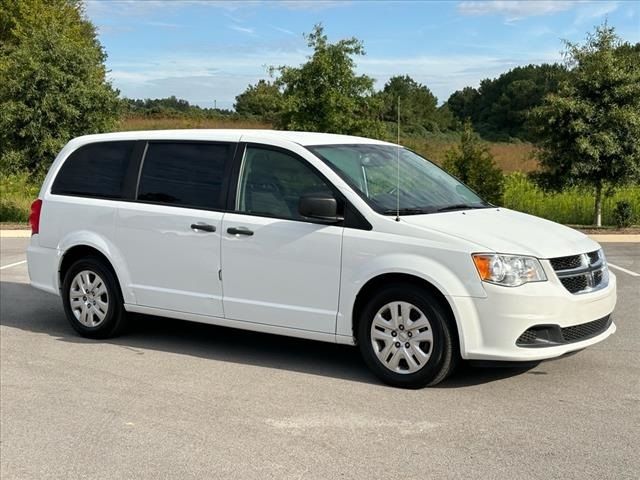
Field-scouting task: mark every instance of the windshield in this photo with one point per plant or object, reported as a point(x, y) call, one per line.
point(372, 170)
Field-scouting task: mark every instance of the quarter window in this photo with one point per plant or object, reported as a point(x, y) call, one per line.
point(95, 170)
point(272, 182)
point(185, 174)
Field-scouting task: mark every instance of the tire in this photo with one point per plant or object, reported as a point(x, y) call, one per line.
point(428, 352)
point(100, 312)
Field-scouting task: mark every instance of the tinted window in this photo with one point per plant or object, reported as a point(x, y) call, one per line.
point(95, 170)
point(272, 182)
point(185, 174)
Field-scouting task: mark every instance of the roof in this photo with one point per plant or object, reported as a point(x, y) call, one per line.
point(302, 138)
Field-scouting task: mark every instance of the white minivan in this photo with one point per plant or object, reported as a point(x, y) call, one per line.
point(326, 237)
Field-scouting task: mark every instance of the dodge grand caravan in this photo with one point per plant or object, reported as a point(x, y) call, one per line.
point(326, 237)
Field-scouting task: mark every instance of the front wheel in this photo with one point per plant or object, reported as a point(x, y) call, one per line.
point(406, 338)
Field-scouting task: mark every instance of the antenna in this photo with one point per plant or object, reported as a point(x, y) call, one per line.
point(398, 167)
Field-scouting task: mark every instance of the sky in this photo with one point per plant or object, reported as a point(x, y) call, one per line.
point(207, 52)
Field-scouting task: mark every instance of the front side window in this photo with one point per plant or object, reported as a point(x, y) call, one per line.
point(272, 182)
point(95, 170)
point(372, 171)
point(185, 174)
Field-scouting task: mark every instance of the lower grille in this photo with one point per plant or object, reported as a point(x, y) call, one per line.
point(552, 335)
point(527, 338)
point(586, 330)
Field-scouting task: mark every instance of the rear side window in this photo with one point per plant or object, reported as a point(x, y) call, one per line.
point(95, 170)
point(185, 174)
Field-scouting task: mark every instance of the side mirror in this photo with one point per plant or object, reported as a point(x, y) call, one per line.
point(320, 207)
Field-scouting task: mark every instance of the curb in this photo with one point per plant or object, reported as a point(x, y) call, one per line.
point(614, 238)
point(15, 233)
point(601, 238)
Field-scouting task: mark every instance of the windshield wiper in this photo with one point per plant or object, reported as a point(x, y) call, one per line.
point(406, 211)
point(460, 206)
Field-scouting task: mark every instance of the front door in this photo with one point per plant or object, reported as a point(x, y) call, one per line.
point(279, 268)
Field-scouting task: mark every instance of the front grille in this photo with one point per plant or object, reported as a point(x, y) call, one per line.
point(566, 263)
point(594, 256)
point(597, 277)
point(575, 284)
point(582, 273)
point(552, 335)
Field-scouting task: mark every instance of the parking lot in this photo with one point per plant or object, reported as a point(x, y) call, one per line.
point(174, 399)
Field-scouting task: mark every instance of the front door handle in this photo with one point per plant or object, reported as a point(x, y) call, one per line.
point(239, 231)
point(203, 227)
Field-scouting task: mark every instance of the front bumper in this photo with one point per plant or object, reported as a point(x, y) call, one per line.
point(491, 327)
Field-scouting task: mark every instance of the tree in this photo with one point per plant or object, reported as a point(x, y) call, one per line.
point(263, 99)
point(418, 105)
point(587, 133)
point(325, 94)
point(52, 81)
point(474, 165)
point(499, 109)
point(445, 119)
point(462, 103)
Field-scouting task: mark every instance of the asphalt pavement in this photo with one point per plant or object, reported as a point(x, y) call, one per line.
point(178, 400)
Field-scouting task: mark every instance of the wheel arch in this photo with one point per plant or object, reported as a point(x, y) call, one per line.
point(378, 282)
point(83, 244)
point(83, 251)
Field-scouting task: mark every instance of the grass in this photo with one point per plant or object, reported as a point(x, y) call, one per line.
point(573, 206)
point(510, 157)
point(17, 192)
point(155, 123)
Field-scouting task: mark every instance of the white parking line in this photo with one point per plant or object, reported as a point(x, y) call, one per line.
point(633, 274)
point(13, 264)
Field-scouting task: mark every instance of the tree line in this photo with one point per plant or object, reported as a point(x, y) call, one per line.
point(171, 107)
point(582, 115)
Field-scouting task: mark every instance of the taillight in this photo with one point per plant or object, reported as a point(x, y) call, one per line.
point(34, 216)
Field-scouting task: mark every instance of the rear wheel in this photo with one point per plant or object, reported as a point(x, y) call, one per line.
point(406, 337)
point(92, 299)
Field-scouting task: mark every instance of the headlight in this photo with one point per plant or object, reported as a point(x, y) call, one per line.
point(508, 270)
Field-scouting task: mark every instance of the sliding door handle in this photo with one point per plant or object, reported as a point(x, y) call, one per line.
point(239, 231)
point(203, 227)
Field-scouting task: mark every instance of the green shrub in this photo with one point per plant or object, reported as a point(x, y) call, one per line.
point(17, 192)
point(572, 206)
point(623, 214)
point(53, 84)
point(472, 162)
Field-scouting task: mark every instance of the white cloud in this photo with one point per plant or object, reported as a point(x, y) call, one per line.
point(114, 29)
point(100, 8)
point(313, 5)
point(163, 24)
point(514, 10)
point(591, 11)
point(283, 30)
point(201, 79)
point(238, 28)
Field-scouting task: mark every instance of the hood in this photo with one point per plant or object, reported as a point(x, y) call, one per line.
point(506, 231)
